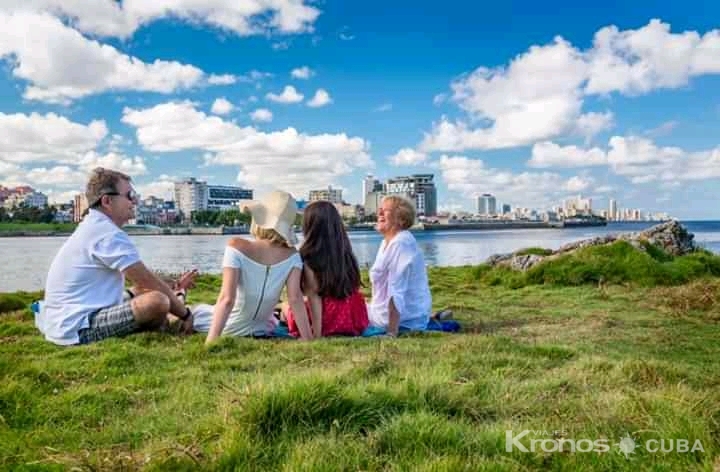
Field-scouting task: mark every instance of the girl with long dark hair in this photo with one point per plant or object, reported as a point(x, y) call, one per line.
point(331, 275)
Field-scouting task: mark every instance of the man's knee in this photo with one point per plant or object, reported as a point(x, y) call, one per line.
point(151, 307)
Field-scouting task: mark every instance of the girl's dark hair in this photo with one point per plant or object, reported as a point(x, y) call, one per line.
point(327, 251)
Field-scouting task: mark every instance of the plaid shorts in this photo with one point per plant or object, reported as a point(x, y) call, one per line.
point(117, 320)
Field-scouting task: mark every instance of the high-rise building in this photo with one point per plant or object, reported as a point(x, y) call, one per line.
point(332, 195)
point(80, 204)
point(612, 210)
point(418, 188)
point(487, 204)
point(506, 209)
point(372, 191)
point(194, 195)
point(191, 195)
point(224, 197)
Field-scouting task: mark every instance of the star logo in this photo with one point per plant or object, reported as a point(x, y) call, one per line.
point(626, 446)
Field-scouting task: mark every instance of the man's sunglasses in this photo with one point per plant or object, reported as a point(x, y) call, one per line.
point(130, 195)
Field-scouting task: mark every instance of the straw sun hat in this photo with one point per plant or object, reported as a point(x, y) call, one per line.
point(277, 211)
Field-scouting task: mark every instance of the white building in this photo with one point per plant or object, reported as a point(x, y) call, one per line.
point(487, 205)
point(31, 199)
point(332, 195)
point(191, 195)
point(612, 210)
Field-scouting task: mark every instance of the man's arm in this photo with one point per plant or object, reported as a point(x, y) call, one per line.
point(142, 277)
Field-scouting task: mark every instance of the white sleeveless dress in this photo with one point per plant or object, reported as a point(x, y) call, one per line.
point(258, 291)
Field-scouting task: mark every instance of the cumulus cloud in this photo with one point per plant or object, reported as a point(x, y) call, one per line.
point(122, 19)
point(303, 72)
point(82, 66)
point(549, 154)
point(221, 106)
point(540, 94)
point(637, 158)
point(306, 160)
point(471, 177)
point(262, 115)
point(320, 99)
point(407, 157)
point(288, 95)
point(50, 137)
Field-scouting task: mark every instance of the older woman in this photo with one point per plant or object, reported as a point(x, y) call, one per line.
point(400, 291)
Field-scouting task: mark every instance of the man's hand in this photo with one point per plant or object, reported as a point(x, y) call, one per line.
point(186, 280)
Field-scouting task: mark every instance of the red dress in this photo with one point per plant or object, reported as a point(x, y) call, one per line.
point(341, 317)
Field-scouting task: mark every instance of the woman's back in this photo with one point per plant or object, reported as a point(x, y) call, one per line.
point(264, 269)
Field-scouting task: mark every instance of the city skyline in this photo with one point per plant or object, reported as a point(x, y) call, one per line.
point(614, 103)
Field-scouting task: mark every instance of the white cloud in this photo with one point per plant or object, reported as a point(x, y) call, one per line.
point(637, 158)
point(161, 187)
point(590, 124)
point(577, 184)
point(384, 107)
point(224, 79)
point(288, 95)
point(540, 94)
point(303, 72)
point(663, 129)
point(471, 177)
point(81, 66)
point(49, 137)
point(221, 106)
point(111, 18)
point(262, 115)
point(604, 189)
point(407, 157)
point(518, 108)
point(306, 160)
point(549, 154)
point(320, 99)
point(649, 58)
point(133, 166)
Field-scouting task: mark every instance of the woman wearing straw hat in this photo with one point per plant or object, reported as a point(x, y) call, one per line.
point(255, 272)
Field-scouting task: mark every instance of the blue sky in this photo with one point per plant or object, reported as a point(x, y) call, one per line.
point(534, 102)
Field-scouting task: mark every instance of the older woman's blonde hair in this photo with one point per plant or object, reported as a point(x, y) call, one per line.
point(404, 210)
point(269, 234)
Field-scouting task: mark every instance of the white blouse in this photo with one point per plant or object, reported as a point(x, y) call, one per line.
point(399, 273)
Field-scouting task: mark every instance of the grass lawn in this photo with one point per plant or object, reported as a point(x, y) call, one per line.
point(37, 227)
point(590, 362)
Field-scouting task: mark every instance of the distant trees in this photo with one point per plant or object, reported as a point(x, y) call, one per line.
point(220, 217)
point(28, 214)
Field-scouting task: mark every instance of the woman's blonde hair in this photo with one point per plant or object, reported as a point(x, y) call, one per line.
point(404, 209)
point(268, 234)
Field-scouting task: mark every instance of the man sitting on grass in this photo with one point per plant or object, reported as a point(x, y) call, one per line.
point(85, 296)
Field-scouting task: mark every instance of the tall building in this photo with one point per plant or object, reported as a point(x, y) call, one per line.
point(332, 195)
point(487, 204)
point(612, 210)
point(80, 204)
point(419, 189)
point(506, 209)
point(194, 195)
point(577, 206)
point(372, 191)
point(224, 197)
point(191, 195)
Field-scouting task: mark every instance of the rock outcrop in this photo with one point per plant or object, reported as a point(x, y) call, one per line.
point(670, 236)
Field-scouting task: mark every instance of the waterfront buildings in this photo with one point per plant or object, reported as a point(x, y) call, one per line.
point(487, 205)
point(195, 195)
point(23, 195)
point(332, 195)
point(418, 188)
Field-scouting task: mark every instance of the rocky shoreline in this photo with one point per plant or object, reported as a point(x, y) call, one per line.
point(670, 236)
